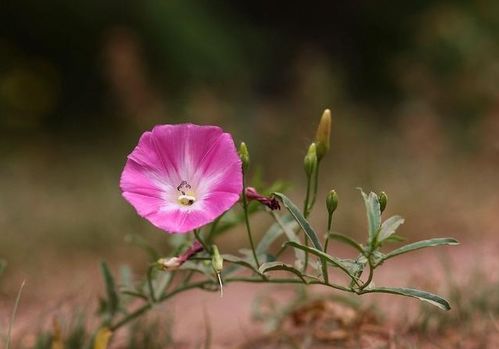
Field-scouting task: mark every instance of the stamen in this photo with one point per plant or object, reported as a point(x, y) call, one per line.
point(185, 199)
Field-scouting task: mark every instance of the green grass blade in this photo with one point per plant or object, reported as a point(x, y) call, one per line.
point(112, 295)
point(13, 315)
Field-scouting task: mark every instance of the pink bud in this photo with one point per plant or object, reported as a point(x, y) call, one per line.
point(270, 202)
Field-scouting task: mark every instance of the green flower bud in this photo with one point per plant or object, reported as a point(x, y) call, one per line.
point(217, 261)
point(383, 199)
point(244, 155)
point(332, 201)
point(310, 161)
point(323, 134)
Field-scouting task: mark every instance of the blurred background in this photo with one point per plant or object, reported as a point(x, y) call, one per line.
point(413, 86)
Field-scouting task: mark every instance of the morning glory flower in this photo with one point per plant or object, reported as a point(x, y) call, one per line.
point(182, 177)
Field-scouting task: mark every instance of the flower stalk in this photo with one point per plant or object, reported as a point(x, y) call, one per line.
point(244, 154)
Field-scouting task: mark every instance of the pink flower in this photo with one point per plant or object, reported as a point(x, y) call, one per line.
point(181, 177)
point(270, 202)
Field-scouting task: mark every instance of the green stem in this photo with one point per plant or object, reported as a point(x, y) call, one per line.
point(324, 262)
point(246, 219)
point(138, 312)
point(149, 284)
point(329, 226)
point(306, 211)
point(316, 186)
point(200, 239)
point(213, 228)
point(369, 278)
point(307, 197)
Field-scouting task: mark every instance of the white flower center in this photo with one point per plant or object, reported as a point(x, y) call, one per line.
point(186, 198)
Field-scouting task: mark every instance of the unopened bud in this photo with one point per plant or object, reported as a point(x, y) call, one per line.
point(332, 201)
point(323, 134)
point(217, 260)
point(383, 199)
point(310, 161)
point(169, 263)
point(244, 155)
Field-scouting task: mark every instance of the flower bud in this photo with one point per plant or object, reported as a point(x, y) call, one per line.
point(383, 199)
point(332, 201)
point(168, 264)
point(244, 155)
point(310, 161)
point(270, 202)
point(217, 261)
point(323, 134)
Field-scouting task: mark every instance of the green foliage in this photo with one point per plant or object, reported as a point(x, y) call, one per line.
point(109, 305)
point(258, 264)
point(410, 292)
point(300, 219)
point(420, 244)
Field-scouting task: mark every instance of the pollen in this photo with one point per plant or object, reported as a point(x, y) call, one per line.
point(186, 200)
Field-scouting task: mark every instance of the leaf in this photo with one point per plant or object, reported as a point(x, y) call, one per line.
point(395, 238)
point(290, 233)
point(411, 292)
point(161, 283)
point(269, 266)
point(333, 260)
point(421, 244)
point(102, 338)
point(347, 240)
point(300, 219)
point(274, 232)
point(240, 261)
point(373, 214)
point(134, 293)
point(389, 227)
point(112, 295)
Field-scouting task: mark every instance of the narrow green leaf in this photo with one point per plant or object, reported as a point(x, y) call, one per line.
point(275, 230)
point(333, 260)
point(410, 292)
point(134, 293)
point(112, 295)
point(421, 244)
point(300, 219)
point(389, 227)
point(269, 266)
point(373, 213)
point(240, 261)
point(289, 231)
point(347, 240)
point(161, 283)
